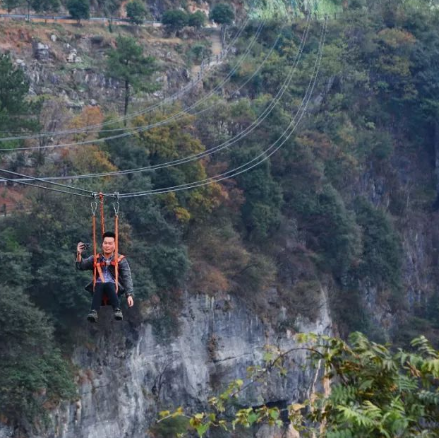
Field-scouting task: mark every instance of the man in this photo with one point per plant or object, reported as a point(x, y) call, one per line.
point(105, 284)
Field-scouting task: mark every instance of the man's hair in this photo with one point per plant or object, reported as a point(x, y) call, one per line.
point(108, 234)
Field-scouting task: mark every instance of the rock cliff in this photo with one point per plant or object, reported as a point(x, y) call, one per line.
point(128, 374)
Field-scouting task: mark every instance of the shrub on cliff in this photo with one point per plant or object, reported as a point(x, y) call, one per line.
point(175, 20)
point(33, 373)
point(136, 12)
point(79, 9)
point(222, 14)
point(366, 390)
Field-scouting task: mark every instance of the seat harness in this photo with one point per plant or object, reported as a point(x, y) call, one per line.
point(97, 262)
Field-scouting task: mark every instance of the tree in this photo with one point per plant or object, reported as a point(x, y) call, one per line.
point(15, 109)
point(128, 64)
point(33, 371)
point(222, 13)
point(136, 11)
point(11, 4)
point(174, 20)
point(261, 210)
point(197, 19)
point(110, 7)
point(45, 6)
point(79, 9)
point(368, 390)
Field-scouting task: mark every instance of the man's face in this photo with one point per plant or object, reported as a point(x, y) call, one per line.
point(108, 245)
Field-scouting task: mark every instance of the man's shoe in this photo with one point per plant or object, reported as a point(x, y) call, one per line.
point(118, 315)
point(92, 316)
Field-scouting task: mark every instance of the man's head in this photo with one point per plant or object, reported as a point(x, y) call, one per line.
point(108, 243)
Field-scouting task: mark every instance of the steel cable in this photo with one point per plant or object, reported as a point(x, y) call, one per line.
point(236, 171)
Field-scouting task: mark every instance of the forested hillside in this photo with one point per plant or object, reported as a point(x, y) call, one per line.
point(299, 170)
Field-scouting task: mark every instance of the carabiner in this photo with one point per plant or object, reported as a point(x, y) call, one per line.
point(94, 204)
point(116, 204)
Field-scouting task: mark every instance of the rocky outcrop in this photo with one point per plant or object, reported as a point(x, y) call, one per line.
point(129, 373)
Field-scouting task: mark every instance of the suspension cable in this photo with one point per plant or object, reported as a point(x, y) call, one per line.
point(243, 168)
point(223, 145)
point(230, 173)
point(94, 207)
point(12, 180)
point(155, 106)
point(44, 180)
point(101, 202)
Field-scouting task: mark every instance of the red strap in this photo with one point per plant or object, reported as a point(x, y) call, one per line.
point(113, 262)
point(98, 265)
point(116, 251)
point(101, 200)
point(94, 250)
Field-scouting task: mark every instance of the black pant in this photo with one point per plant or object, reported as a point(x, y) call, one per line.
point(109, 289)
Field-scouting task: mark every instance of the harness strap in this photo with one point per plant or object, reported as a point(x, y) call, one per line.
point(101, 201)
point(98, 266)
point(113, 262)
point(94, 251)
point(116, 250)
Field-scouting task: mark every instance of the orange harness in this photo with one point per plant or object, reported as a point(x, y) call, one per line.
point(98, 265)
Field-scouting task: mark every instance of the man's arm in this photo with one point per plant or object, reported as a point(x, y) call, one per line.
point(126, 280)
point(83, 264)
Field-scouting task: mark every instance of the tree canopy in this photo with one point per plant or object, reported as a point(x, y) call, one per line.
point(222, 13)
point(136, 11)
point(79, 9)
point(33, 370)
point(17, 112)
point(197, 19)
point(367, 390)
point(175, 19)
point(127, 63)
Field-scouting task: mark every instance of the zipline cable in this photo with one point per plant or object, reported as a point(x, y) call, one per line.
point(187, 87)
point(176, 116)
point(212, 179)
point(241, 169)
point(43, 187)
point(149, 109)
point(224, 145)
point(35, 178)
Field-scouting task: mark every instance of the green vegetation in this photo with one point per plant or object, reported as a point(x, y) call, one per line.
point(136, 11)
point(381, 258)
point(175, 20)
point(128, 64)
point(79, 9)
point(16, 112)
point(34, 375)
point(368, 391)
point(331, 208)
point(222, 13)
point(45, 6)
point(197, 19)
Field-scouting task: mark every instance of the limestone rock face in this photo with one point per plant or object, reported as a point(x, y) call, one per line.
point(128, 374)
point(6, 431)
point(41, 51)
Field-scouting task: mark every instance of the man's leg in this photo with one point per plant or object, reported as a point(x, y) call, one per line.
point(110, 291)
point(97, 296)
point(96, 302)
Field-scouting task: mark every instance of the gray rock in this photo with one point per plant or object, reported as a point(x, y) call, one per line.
point(128, 374)
point(5, 431)
point(41, 51)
